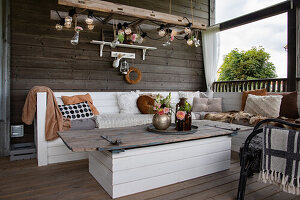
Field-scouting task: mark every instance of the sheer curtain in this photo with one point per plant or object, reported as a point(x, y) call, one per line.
point(210, 42)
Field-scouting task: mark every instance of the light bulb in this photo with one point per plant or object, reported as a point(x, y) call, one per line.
point(189, 42)
point(89, 20)
point(174, 33)
point(75, 38)
point(139, 39)
point(162, 32)
point(120, 32)
point(134, 37)
point(187, 30)
point(90, 26)
point(59, 27)
point(68, 19)
point(68, 24)
point(127, 30)
point(196, 42)
point(172, 37)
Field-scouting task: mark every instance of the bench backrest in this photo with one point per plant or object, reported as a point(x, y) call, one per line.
point(106, 102)
point(233, 100)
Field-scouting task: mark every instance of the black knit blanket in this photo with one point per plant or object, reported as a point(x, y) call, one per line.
point(280, 159)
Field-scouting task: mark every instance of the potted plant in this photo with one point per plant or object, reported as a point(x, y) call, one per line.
point(162, 108)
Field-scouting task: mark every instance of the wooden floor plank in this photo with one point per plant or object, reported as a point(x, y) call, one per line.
point(199, 188)
point(281, 195)
point(23, 180)
point(186, 184)
point(220, 190)
point(263, 193)
point(252, 186)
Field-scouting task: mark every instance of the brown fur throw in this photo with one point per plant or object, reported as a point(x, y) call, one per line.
point(246, 118)
point(230, 116)
point(221, 117)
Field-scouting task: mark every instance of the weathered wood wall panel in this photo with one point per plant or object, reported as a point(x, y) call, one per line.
point(4, 78)
point(40, 55)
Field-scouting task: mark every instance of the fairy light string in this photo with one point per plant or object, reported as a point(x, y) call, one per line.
point(140, 30)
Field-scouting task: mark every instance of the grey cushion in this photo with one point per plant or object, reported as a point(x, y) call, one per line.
point(83, 124)
point(207, 104)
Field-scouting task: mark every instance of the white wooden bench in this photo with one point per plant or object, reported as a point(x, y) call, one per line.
point(232, 101)
point(49, 152)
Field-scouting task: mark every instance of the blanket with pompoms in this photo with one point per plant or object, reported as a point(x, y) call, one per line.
point(280, 159)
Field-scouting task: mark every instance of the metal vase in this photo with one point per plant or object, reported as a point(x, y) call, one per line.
point(161, 122)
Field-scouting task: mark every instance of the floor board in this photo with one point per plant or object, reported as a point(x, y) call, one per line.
point(22, 180)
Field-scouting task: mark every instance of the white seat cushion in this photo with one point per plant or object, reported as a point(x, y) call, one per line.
point(122, 120)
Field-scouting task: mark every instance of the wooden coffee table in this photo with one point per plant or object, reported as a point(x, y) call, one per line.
point(146, 160)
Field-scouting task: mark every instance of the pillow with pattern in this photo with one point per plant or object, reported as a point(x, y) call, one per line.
point(76, 111)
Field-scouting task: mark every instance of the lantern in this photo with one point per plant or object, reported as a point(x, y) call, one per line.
point(124, 67)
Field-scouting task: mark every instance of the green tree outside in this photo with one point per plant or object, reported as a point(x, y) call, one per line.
point(247, 65)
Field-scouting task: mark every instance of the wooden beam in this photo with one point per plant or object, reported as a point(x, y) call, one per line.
point(5, 78)
point(255, 16)
point(109, 17)
point(104, 6)
point(292, 51)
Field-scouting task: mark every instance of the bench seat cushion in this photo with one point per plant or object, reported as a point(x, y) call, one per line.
point(122, 120)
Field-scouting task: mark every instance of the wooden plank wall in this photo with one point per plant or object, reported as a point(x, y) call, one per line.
point(4, 78)
point(43, 56)
point(298, 43)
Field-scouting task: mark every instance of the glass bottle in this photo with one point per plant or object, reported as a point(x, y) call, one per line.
point(188, 122)
point(179, 123)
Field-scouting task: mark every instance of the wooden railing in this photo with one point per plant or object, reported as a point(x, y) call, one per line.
point(272, 85)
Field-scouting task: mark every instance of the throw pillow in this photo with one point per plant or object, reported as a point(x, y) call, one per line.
point(128, 102)
point(145, 104)
point(189, 96)
point(78, 99)
point(289, 107)
point(83, 124)
point(260, 92)
point(266, 106)
point(207, 104)
point(76, 111)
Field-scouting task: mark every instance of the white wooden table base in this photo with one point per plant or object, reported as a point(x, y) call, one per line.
point(142, 169)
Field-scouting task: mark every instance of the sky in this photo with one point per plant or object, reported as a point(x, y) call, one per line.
point(270, 33)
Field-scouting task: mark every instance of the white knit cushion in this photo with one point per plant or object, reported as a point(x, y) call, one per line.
point(266, 106)
point(122, 120)
point(128, 102)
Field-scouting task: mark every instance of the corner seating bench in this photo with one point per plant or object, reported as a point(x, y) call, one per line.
point(49, 152)
point(106, 102)
point(123, 173)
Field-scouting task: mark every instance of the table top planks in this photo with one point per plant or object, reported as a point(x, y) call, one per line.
point(134, 137)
